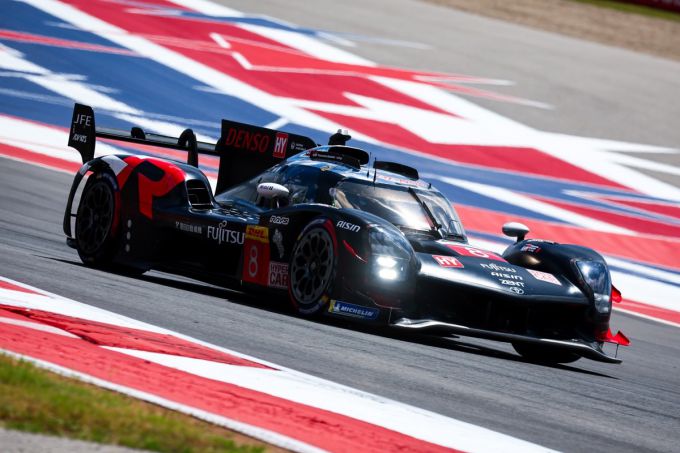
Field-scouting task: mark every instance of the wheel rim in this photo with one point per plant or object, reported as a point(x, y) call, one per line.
point(95, 218)
point(311, 266)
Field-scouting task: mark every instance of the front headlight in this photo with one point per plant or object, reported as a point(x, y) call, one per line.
point(596, 275)
point(390, 254)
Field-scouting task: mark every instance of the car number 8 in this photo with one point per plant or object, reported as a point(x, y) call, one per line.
point(252, 261)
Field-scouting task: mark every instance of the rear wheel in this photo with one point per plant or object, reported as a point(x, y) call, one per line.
point(543, 354)
point(312, 268)
point(95, 239)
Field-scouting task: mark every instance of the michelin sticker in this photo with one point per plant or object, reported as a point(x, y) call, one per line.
point(354, 311)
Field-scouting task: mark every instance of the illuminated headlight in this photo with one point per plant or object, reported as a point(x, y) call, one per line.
point(391, 254)
point(388, 274)
point(596, 275)
point(388, 267)
point(386, 261)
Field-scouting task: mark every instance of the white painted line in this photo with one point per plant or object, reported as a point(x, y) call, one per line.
point(36, 326)
point(220, 40)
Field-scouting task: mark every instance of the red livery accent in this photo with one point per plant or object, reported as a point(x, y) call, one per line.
point(352, 251)
point(148, 189)
point(256, 255)
point(467, 250)
point(447, 261)
point(242, 139)
point(619, 338)
point(616, 295)
point(280, 145)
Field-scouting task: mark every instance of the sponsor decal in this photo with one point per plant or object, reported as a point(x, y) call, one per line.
point(279, 220)
point(507, 276)
point(257, 233)
point(517, 290)
point(467, 250)
point(447, 261)
point(189, 228)
point(297, 146)
point(277, 239)
point(79, 138)
point(83, 120)
point(221, 233)
point(256, 255)
point(251, 141)
point(498, 268)
point(278, 275)
point(354, 311)
point(348, 226)
point(544, 277)
point(280, 145)
point(531, 248)
point(512, 283)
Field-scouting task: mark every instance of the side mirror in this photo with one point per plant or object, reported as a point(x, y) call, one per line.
point(274, 192)
point(516, 230)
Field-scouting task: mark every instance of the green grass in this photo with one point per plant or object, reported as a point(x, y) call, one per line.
point(35, 400)
point(634, 9)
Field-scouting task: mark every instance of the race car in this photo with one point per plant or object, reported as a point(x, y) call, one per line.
point(337, 233)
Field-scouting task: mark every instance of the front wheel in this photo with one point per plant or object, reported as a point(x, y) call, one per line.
point(312, 267)
point(543, 354)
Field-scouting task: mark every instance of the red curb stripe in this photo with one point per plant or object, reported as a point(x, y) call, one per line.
point(313, 426)
point(12, 287)
point(38, 158)
point(648, 310)
point(103, 334)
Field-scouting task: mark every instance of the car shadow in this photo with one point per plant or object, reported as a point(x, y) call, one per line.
point(280, 307)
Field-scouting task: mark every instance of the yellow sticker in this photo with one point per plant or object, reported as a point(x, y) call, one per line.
point(257, 233)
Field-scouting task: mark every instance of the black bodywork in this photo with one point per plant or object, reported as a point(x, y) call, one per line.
point(331, 244)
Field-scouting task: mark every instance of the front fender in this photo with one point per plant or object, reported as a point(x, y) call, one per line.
point(94, 165)
point(560, 259)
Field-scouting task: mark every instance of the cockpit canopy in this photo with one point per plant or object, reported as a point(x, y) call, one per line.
point(412, 206)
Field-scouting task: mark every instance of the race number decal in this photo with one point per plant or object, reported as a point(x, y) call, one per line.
point(467, 250)
point(256, 255)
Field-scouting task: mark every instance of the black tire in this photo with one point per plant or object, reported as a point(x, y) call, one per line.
point(311, 271)
point(95, 238)
point(544, 354)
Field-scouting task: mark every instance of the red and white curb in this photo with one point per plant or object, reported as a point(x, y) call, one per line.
point(280, 406)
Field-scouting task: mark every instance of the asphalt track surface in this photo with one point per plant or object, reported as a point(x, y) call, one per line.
point(584, 407)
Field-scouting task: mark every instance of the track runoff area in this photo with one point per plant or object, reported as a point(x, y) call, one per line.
point(168, 65)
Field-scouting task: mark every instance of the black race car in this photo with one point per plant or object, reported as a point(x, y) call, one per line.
point(337, 233)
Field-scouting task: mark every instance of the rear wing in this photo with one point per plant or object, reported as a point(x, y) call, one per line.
point(244, 150)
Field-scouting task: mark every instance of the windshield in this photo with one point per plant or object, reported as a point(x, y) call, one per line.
point(406, 208)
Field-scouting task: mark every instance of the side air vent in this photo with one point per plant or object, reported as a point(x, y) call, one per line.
point(199, 195)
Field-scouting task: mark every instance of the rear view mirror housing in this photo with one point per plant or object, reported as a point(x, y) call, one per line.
point(515, 230)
